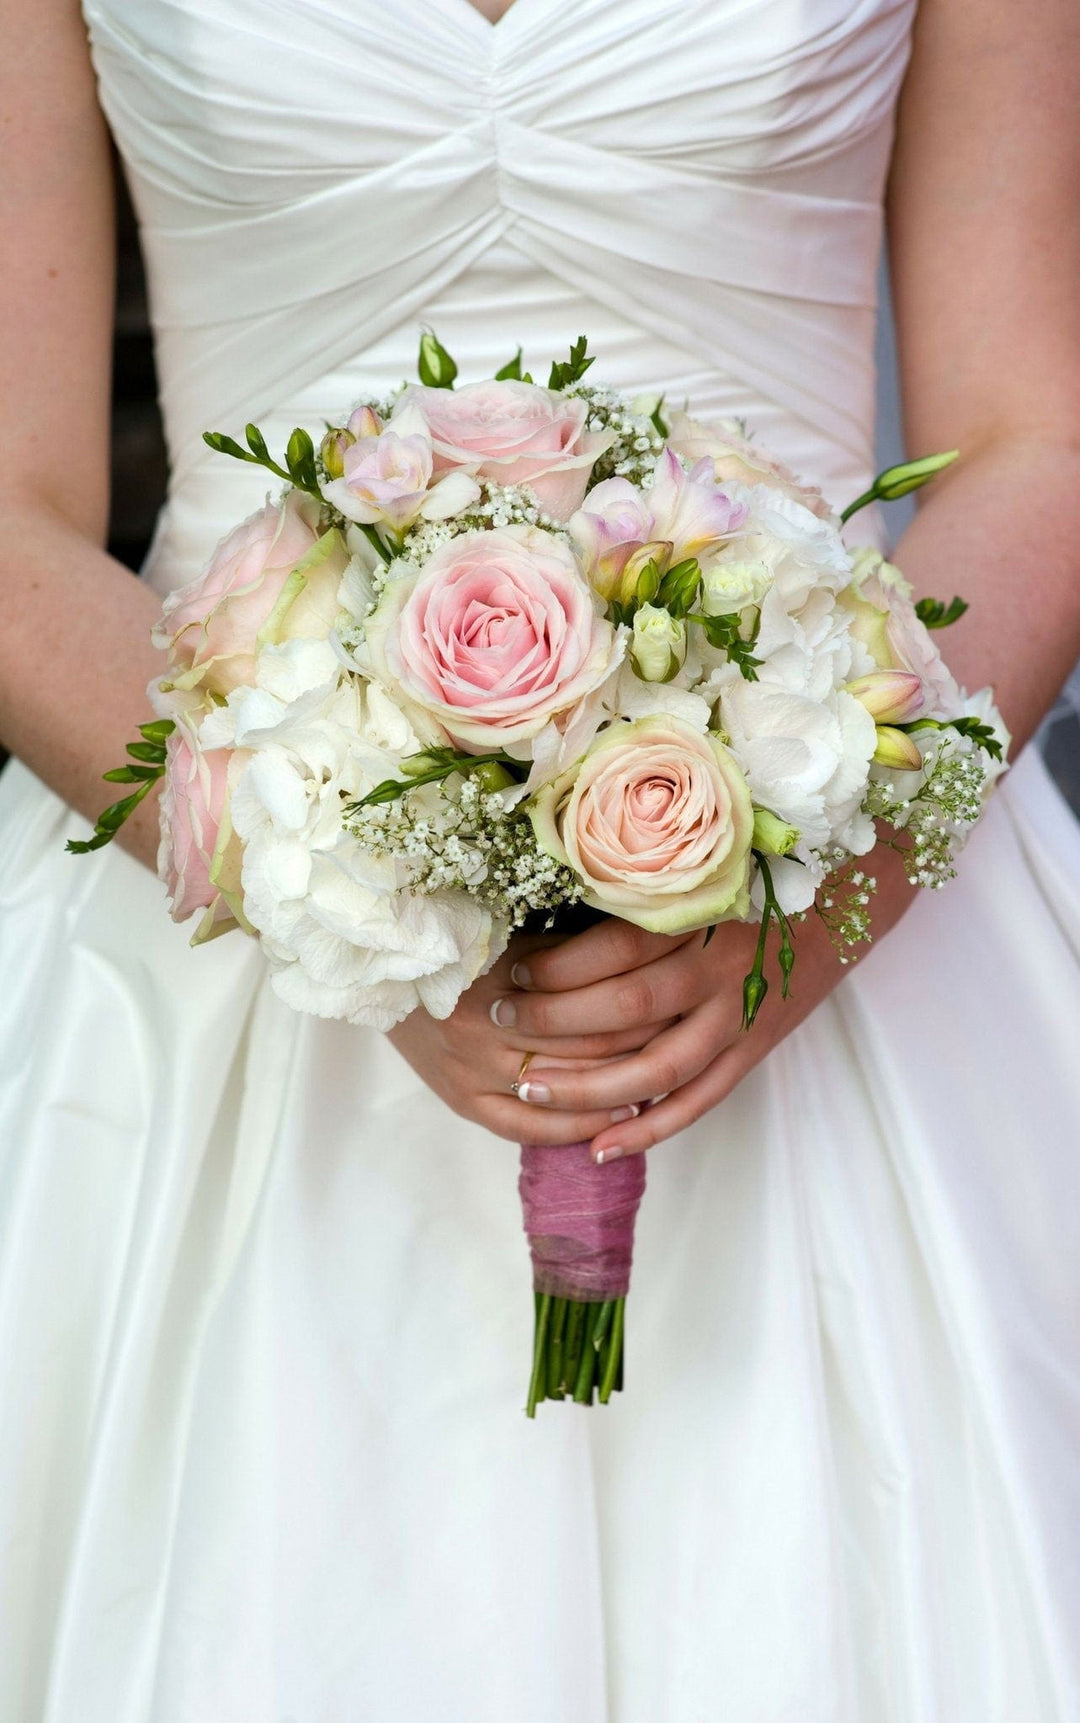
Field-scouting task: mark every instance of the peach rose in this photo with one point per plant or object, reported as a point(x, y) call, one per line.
point(198, 857)
point(498, 635)
point(657, 822)
point(271, 578)
point(515, 434)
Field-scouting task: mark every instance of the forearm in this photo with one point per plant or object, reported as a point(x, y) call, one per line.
point(1002, 529)
point(75, 659)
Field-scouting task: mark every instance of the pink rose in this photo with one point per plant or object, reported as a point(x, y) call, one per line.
point(657, 822)
point(737, 460)
point(496, 637)
point(211, 627)
point(198, 856)
point(515, 434)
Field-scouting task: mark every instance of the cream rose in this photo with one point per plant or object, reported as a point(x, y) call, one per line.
point(271, 579)
point(514, 433)
point(657, 822)
point(498, 635)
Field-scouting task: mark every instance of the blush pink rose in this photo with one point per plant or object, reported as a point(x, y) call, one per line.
point(498, 635)
point(515, 434)
point(657, 822)
point(194, 798)
point(210, 627)
point(736, 459)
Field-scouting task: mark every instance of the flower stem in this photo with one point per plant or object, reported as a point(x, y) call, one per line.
point(556, 1385)
point(611, 1358)
point(538, 1380)
point(583, 1387)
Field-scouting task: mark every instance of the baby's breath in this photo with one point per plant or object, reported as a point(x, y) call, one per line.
point(843, 904)
point(634, 453)
point(939, 816)
point(472, 843)
point(498, 506)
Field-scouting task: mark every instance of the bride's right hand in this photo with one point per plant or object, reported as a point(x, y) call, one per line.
point(471, 1062)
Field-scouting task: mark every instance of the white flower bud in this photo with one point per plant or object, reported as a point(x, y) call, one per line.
point(731, 586)
point(896, 750)
point(658, 647)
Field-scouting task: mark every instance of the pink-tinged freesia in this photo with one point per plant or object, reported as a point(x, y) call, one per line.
point(890, 696)
point(895, 749)
point(657, 822)
point(388, 477)
point(620, 528)
point(271, 578)
point(690, 510)
point(497, 636)
point(199, 854)
point(884, 619)
point(610, 532)
point(512, 433)
point(736, 459)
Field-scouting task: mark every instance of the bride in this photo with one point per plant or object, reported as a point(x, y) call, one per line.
point(263, 1298)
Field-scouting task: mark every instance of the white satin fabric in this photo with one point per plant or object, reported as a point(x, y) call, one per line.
point(264, 1308)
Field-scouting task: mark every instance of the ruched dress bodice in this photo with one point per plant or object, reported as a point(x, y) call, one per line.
point(696, 186)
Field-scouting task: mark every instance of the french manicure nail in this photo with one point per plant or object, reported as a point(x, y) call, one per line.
point(609, 1155)
point(504, 1013)
point(521, 975)
point(621, 1113)
point(537, 1094)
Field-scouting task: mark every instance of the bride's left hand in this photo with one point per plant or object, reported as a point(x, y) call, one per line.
point(597, 982)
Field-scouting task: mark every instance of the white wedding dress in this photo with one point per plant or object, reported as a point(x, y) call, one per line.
point(265, 1313)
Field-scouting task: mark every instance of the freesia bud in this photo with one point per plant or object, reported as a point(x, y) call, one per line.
point(641, 569)
point(332, 449)
point(890, 696)
point(772, 835)
point(659, 644)
point(896, 750)
point(364, 422)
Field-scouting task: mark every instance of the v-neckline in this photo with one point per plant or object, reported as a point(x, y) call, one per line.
point(483, 20)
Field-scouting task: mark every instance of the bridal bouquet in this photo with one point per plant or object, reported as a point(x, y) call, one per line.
point(502, 656)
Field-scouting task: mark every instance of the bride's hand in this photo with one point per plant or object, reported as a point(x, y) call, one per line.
point(616, 974)
point(471, 1061)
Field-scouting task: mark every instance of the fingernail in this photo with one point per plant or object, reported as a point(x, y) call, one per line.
point(537, 1094)
point(622, 1113)
point(504, 1013)
point(609, 1155)
point(521, 975)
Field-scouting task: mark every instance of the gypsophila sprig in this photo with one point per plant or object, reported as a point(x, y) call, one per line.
point(636, 449)
point(843, 907)
point(471, 844)
point(938, 817)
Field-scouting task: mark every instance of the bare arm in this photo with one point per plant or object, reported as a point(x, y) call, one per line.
point(985, 222)
point(75, 655)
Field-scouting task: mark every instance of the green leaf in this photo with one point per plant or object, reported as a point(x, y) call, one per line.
point(133, 774)
point(435, 367)
point(660, 424)
point(158, 731)
point(154, 751)
point(680, 587)
point(224, 445)
point(564, 372)
point(511, 373)
point(935, 613)
point(897, 481)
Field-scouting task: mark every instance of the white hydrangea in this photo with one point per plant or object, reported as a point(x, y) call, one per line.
point(340, 938)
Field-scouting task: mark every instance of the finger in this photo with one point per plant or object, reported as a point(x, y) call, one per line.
point(588, 1048)
point(508, 1118)
point(670, 1061)
point(611, 948)
point(667, 987)
point(673, 1114)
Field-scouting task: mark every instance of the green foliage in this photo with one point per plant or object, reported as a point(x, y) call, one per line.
point(435, 368)
point(659, 423)
point(723, 632)
point(935, 613)
point(512, 373)
point(755, 986)
point(430, 767)
point(565, 372)
point(680, 586)
point(300, 456)
point(983, 735)
point(150, 755)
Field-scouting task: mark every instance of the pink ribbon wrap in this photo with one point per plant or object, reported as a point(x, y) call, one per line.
point(579, 1218)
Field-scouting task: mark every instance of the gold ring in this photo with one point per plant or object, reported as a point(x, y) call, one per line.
point(520, 1078)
